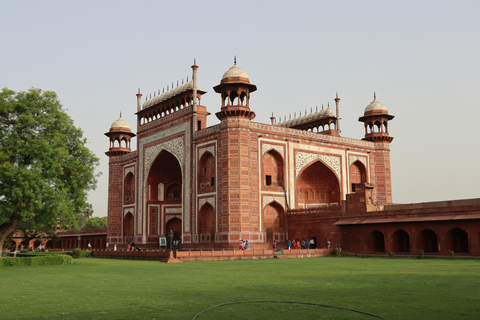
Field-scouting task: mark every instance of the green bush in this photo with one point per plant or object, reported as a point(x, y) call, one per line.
point(77, 253)
point(338, 251)
point(451, 253)
point(24, 251)
point(391, 254)
point(46, 260)
point(421, 254)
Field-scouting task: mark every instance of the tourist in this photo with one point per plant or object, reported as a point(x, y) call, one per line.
point(246, 245)
point(114, 247)
point(298, 245)
point(303, 244)
point(129, 246)
point(133, 245)
point(274, 246)
point(106, 246)
point(289, 244)
point(89, 246)
point(241, 245)
point(312, 243)
point(294, 244)
point(307, 244)
point(328, 244)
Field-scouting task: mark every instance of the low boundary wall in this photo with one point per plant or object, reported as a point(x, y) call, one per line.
point(206, 255)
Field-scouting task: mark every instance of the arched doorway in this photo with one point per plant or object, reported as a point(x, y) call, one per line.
point(317, 186)
point(175, 225)
point(273, 221)
point(206, 223)
point(377, 241)
point(401, 241)
point(128, 227)
point(428, 241)
point(458, 240)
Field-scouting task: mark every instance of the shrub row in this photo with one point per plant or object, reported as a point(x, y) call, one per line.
point(44, 260)
point(76, 253)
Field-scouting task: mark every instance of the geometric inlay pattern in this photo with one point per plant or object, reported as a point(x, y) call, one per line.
point(210, 149)
point(361, 159)
point(303, 158)
point(210, 200)
point(269, 199)
point(267, 147)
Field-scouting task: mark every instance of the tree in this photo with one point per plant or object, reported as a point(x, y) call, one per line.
point(45, 168)
point(96, 222)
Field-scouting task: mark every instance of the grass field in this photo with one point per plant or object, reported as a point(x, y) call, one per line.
point(126, 289)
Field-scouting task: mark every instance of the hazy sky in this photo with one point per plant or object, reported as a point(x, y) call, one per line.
point(422, 58)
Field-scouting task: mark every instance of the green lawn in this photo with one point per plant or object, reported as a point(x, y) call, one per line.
point(126, 289)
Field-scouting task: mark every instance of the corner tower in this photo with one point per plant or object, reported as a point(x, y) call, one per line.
point(238, 175)
point(120, 136)
point(376, 119)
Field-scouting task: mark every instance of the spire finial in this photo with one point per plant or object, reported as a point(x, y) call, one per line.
point(194, 60)
point(374, 95)
point(120, 114)
point(235, 60)
point(336, 95)
point(138, 90)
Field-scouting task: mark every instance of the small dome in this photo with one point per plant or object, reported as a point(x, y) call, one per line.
point(235, 72)
point(329, 112)
point(375, 105)
point(120, 124)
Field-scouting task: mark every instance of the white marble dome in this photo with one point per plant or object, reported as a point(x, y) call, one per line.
point(375, 105)
point(235, 72)
point(120, 123)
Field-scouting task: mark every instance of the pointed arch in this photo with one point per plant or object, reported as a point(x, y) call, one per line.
point(458, 240)
point(428, 241)
point(128, 227)
point(165, 173)
point(273, 221)
point(401, 241)
point(129, 188)
point(273, 168)
point(357, 174)
point(317, 186)
point(206, 172)
point(377, 241)
point(207, 223)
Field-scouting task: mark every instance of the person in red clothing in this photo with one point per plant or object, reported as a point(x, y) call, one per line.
point(294, 244)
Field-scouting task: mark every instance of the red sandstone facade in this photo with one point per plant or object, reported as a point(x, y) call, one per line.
point(240, 179)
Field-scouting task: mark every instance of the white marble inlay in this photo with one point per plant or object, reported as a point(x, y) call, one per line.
point(266, 147)
point(210, 149)
point(361, 159)
point(269, 199)
point(303, 159)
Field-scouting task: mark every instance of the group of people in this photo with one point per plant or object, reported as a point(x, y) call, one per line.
point(131, 247)
point(304, 244)
point(244, 245)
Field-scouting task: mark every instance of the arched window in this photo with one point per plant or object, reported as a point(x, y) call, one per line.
point(129, 188)
point(206, 173)
point(272, 163)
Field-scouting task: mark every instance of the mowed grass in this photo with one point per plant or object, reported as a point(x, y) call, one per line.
point(127, 289)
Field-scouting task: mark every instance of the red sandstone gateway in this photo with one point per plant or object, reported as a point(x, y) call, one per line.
point(240, 179)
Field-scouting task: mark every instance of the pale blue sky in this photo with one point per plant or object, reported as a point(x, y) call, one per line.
point(420, 57)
